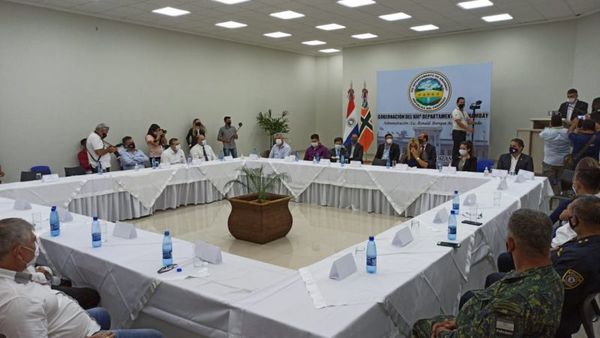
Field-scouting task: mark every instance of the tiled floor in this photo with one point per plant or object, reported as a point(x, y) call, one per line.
point(317, 231)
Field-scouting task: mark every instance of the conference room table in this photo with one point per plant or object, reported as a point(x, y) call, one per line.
point(246, 298)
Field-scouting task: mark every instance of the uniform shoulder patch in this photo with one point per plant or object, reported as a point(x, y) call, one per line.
point(572, 279)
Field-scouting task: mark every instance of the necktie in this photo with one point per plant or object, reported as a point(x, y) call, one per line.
point(204, 151)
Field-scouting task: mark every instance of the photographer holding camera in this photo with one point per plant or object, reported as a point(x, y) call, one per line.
point(197, 129)
point(228, 135)
point(99, 150)
point(156, 139)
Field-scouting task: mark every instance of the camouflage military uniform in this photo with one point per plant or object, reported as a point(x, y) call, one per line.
point(576, 262)
point(525, 304)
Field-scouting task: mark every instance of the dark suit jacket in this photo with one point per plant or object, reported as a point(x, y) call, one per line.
point(430, 156)
point(394, 152)
point(581, 108)
point(470, 164)
point(332, 154)
point(525, 162)
point(358, 152)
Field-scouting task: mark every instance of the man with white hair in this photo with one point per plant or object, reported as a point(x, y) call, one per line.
point(280, 149)
point(99, 151)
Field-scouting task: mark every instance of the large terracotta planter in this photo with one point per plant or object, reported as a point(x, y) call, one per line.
point(259, 222)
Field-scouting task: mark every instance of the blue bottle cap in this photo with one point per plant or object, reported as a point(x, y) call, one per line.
point(53, 208)
point(167, 233)
point(179, 269)
point(371, 238)
point(95, 218)
point(456, 191)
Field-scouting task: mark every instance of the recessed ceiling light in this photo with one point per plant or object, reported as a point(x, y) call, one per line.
point(170, 11)
point(287, 15)
point(355, 3)
point(231, 2)
point(498, 17)
point(475, 4)
point(231, 24)
point(314, 43)
point(424, 28)
point(364, 36)
point(277, 35)
point(331, 27)
point(329, 50)
point(395, 16)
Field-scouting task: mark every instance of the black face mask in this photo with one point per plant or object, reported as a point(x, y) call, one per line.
point(131, 146)
point(461, 106)
point(228, 123)
point(103, 135)
point(354, 141)
point(513, 150)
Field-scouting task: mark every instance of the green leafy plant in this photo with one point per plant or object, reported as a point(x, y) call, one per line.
point(272, 124)
point(256, 181)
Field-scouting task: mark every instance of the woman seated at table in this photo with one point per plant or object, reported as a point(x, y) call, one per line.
point(466, 161)
point(412, 157)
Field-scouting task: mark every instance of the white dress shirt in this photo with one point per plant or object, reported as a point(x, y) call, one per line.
point(94, 142)
point(171, 157)
point(457, 114)
point(197, 153)
point(34, 310)
point(513, 163)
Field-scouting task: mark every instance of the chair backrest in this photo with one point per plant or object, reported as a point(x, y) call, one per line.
point(587, 312)
point(42, 169)
point(483, 163)
point(74, 171)
point(28, 176)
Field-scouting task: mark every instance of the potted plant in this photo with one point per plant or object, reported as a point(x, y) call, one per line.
point(273, 125)
point(260, 216)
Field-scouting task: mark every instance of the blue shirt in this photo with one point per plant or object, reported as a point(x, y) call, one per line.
point(280, 152)
point(386, 153)
point(556, 145)
point(579, 141)
point(130, 159)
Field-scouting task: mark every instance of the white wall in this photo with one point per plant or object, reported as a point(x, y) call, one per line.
point(533, 66)
point(61, 74)
point(329, 94)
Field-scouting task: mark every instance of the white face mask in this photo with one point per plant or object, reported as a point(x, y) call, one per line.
point(314, 144)
point(462, 152)
point(203, 142)
point(388, 140)
point(571, 100)
point(278, 141)
point(178, 147)
point(338, 146)
point(36, 254)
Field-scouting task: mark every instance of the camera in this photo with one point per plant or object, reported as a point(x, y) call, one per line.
point(240, 124)
point(475, 105)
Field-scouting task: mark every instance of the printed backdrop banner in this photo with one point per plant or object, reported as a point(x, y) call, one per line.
point(422, 100)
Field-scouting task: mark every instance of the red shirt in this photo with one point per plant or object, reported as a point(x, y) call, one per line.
point(83, 160)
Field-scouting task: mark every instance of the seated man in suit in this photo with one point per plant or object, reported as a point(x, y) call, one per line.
point(387, 151)
point(201, 150)
point(428, 153)
point(338, 151)
point(515, 160)
point(355, 149)
point(525, 303)
point(573, 107)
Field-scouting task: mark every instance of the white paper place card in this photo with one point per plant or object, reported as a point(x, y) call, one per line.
point(197, 161)
point(22, 205)
point(441, 216)
point(471, 199)
point(503, 185)
point(208, 252)
point(125, 230)
point(228, 158)
point(499, 173)
point(325, 161)
point(355, 164)
point(449, 170)
point(402, 166)
point(402, 237)
point(50, 178)
point(342, 267)
point(525, 175)
point(291, 158)
point(64, 215)
point(254, 157)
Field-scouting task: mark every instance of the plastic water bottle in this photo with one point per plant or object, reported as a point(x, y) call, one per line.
point(371, 255)
point(167, 249)
point(96, 234)
point(318, 158)
point(100, 169)
point(452, 225)
point(388, 164)
point(486, 172)
point(456, 201)
point(297, 157)
point(154, 164)
point(54, 222)
point(342, 160)
point(221, 156)
point(189, 160)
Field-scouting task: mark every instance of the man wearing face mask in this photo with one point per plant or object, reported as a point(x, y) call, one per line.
point(387, 151)
point(515, 160)
point(30, 309)
point(228, 134)
point(201, 150)
point(280, 149)
point(572, 107)
point(316, 149)
point(427, 151)
point(461, 123)
point(174, 154)
point(99, 151)
point(338, 151)
point(131, 157)
point(356, 149)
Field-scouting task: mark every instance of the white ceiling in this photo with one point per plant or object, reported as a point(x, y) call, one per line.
point(255, 13)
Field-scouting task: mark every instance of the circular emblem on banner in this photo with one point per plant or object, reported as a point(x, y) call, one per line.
point(351, 121)
point(429, 91)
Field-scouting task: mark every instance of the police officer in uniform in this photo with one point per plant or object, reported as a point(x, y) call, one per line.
point(525, 303)
point(577, 261)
